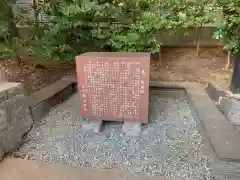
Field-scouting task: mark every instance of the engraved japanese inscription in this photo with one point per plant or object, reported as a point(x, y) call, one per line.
point(113, 88)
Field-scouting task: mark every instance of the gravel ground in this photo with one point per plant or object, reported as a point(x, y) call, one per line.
point(171, 145)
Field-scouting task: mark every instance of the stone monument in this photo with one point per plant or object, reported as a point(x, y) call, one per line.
point(114, 86)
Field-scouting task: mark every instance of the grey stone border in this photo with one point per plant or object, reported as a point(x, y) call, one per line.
point(222, 134)
point(215, 92)
point(41, 102)
point(228, 103)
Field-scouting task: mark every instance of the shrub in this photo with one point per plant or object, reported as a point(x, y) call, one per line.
point(229, 29)
point(79, 26)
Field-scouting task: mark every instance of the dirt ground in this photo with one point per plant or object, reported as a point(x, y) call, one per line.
point(179, 64)
point(35, 78)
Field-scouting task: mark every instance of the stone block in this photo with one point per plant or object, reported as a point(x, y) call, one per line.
point(43, 100)
point(3, 120)
point(60, 96)
point(231, 109)
point(215, 92)
point(236, 96)
point(210, 91)
point(225, 105)
point(223, 136)
point(3, 96)
point(92, 125)
point(16, 108)
point(12, 137)
point(132, 128)
point(15, 90)
point(39, 111)
point(50, 92)
point(1, 151)
point(11, 89)
point(234, 113)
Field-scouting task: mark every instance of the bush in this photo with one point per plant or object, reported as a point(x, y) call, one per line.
point(230, 26)
point(80, 26)
point(229, 29)
point(10, 43)
point(75, 27)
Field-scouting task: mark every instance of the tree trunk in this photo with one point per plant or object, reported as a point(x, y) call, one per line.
point(199, 32)
point(198, 40)
point(18, 59)
point(160, 58)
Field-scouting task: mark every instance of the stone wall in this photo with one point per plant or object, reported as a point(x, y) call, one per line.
point(226, 102)
point(15, 118)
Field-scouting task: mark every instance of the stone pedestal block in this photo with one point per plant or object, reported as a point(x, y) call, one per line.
point(15, 108)
point(132, 128)
point(12, 136)
point(92, 125)
point(15, 119)
point(1, 151)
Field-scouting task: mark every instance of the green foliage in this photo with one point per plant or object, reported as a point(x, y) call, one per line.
point(49, 48)
point(76, 26)
point(4, 30)
point(10, 43)
point(79, 26)
point(91, 25)
point(197, 12)
point(5, 19)
point(230, 27)
point(12, 49)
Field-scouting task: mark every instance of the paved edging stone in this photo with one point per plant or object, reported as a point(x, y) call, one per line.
point(19, 169)
point(43, 100)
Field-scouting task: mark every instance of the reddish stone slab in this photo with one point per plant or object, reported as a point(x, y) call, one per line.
point(114, 86)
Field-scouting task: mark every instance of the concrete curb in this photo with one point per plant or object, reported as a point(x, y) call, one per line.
point(215, 92)
point(226, 102)
point(19, 169)
point(223, 136)
point(221, 133)
point(43, 100)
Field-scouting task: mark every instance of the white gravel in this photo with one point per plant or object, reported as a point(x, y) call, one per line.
point(171, 145)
